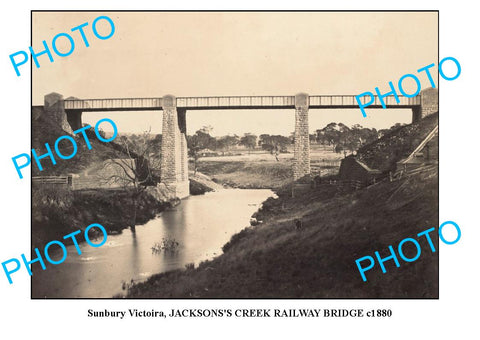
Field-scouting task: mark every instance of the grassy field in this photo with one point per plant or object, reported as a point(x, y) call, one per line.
point(245, 174)
point(277, 259)
point(260, 170)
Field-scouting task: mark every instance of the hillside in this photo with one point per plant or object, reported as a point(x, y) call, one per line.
point(57, 211)
point(279, 259)
point(275, 259)
point(384, 153)
point(46, 130)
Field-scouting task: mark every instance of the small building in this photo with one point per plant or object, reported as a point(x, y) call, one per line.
point(352, 169)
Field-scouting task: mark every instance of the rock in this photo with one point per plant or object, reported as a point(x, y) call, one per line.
point(160, 192)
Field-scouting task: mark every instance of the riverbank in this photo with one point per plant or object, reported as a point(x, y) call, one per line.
point(248, 175)
point(201, 184)
point(306, 247)
point(57, 211)
point(192, 231)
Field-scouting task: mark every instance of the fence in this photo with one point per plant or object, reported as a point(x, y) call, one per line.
point(325, 167)
point(412, 169)
point(340, 184)
point(76, 182)
point(66, 181)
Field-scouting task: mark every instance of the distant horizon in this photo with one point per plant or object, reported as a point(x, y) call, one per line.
point(267, 121)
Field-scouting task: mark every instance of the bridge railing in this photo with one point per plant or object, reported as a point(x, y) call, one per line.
point(391, 101)
point(127, 103)
point(234, 101)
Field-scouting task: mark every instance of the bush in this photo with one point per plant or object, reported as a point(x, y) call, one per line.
point(168, 244)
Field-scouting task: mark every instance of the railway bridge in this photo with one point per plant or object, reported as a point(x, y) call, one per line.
point(174, 166)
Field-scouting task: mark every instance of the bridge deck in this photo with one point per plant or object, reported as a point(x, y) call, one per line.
point(239, 102)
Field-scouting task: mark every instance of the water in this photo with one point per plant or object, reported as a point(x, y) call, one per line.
point(201, 225)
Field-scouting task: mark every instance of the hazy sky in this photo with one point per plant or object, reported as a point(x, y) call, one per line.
point(215, 54)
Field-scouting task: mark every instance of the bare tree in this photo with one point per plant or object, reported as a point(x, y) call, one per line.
point(133, 171)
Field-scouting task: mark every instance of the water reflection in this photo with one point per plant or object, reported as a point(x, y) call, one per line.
point(201, 225)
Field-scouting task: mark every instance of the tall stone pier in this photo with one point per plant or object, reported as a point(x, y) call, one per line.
point(174, 172)
point(301, 166)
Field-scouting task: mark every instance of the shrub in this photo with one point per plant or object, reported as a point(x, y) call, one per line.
point(168, 244)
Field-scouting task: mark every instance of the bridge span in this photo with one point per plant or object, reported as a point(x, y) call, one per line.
point(174, 171)
point(234, 103)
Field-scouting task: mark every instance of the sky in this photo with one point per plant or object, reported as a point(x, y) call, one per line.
point(236, 53)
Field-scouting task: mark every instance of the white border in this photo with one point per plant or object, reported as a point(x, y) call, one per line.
point(453, 316)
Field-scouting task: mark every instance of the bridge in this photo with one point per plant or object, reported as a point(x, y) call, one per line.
point(233, 102)
point(174, 171)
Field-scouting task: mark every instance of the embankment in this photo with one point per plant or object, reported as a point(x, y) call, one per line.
point(248, 175)
point(57, 212)
point(282, 258)
point(200, 184)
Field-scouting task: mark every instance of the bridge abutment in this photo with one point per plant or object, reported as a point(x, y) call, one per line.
point(301, 166)
point(54, 106)
point(428, 104)
point(174, 171)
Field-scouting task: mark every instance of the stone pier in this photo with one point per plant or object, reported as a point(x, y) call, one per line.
point(428, 104)
point(174, 172)
point(301, 166)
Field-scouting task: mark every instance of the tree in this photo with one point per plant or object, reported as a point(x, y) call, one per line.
point(331, 134)
point(199, 141)
point(343, 138)
point(226, 142)
point(338, 148)
point(135, 171)
point(274, 143)
point(384, 132)
point(249, 141)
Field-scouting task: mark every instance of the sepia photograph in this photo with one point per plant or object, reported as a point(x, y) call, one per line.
point(234, 154)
